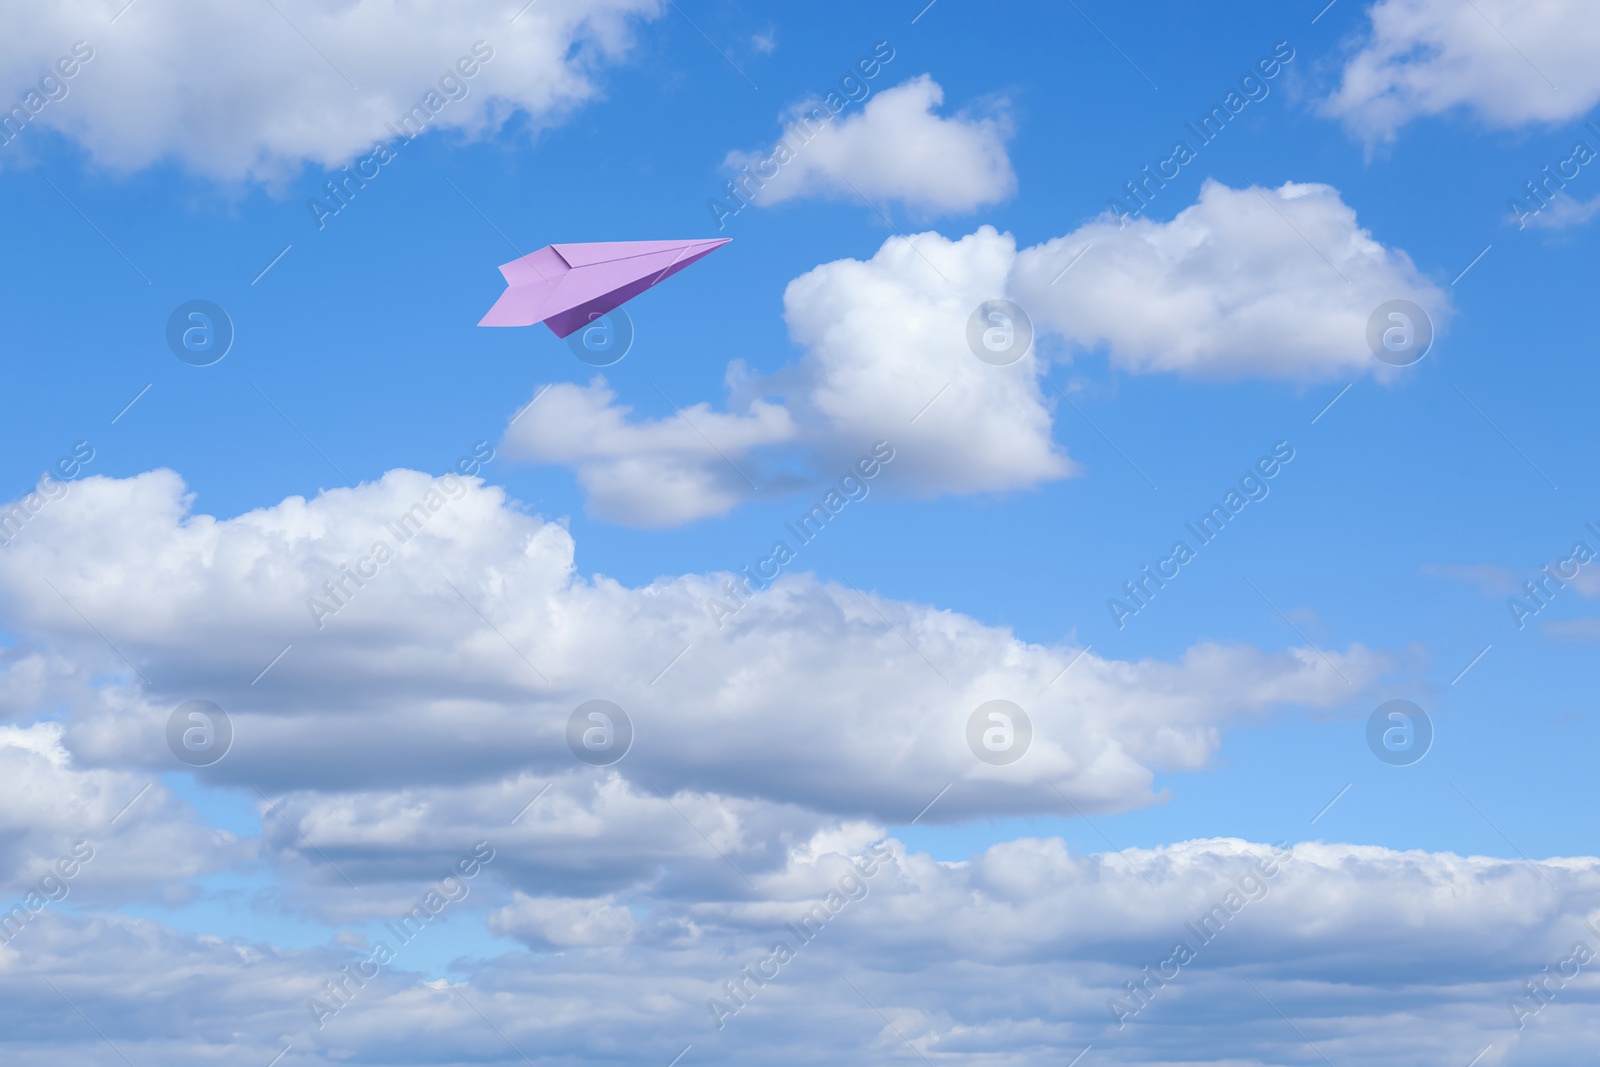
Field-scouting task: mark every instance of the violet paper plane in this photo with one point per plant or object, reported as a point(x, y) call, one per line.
point(566, 287)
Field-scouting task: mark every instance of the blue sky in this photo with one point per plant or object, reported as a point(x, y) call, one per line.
point(1378, 163)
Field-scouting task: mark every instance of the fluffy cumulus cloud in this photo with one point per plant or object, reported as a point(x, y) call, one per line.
point(647, 472)
point(296, 81)
point(898, 148)
point(886, 358)
point(435, 642)
point(1246, 283)
point(108, 834)
point(1275, 284)
point(1508, 62)
point(426, 615)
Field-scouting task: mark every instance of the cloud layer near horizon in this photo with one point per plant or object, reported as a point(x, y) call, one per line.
point(1412, 958)
point(621, 901)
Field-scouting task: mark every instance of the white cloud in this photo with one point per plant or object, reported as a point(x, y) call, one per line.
point(564, 922)
point(810, 701)
point(1407, 958)
point(886, 359)
point(244, 91)
point(131, 834)
point(1275, 284)
point(646, 473)
point(897, 149)
point(886, 343)
point(409, 727)
point(1509, 62)
point(1245, 283)
point(1564, 212)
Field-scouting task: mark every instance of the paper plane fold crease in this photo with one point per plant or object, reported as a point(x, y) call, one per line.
point(568, 286)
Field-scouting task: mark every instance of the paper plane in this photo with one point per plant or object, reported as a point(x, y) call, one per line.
point(566, 287)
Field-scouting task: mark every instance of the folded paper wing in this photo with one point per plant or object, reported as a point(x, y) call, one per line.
point(568, 286)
